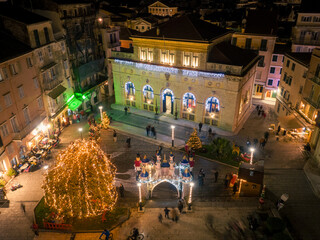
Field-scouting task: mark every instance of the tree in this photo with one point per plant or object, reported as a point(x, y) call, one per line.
point(94, 132)
point(105, 121)
point(81, 184)
point(194, 141)
point(221, 149)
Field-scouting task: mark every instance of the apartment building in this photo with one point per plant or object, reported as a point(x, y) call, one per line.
point(21, 104)
point(50, 57)
point(201, 77)
point(259, 34)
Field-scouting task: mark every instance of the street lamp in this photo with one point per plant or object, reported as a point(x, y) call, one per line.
point(190, 196)
point(101, 116)
point(140, 198)
point(48, 128)
point(172, 134)
point(80, 130)
point(251, 158)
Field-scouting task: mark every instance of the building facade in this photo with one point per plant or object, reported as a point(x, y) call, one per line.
point(264, 44)
point(160, 9)
point(187, 78)
point(306, 33)
point(21, 104)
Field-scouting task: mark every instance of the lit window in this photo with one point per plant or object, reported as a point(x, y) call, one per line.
point(143, 54)
point(148, 94)
point(195, 61)
point(189, 103)
point(212, 105)
point(171, 58)
point(130, 90)
point(150, 55)
point(186, 59)
point(164, 56)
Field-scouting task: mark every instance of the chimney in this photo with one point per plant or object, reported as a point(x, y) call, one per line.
point(158, 31)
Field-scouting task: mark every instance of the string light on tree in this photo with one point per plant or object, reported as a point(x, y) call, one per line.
point(194, 141)
point(81, 184)
point(105, 121)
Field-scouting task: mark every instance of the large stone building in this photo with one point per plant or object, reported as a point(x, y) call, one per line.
point(21, 103)
point(160, 9)
point(260, 35)
point(187, 68)
point(50, 56)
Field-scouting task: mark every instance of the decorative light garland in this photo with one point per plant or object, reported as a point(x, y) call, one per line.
point(172, 70)
point(82, 182)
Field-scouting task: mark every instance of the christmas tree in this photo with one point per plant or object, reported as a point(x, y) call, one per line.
point(194, 141)
point(81, 184)
point(105, 121)
point(94, 133)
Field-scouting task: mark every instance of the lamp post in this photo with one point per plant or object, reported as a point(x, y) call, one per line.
point(172, 134)
point(190, 196)
point(251, 158)
point(101, 116)
point(48, 128)
point(80, 130)
point(140, 198)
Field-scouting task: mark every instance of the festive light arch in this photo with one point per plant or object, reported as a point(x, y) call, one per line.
point(148, 92)
point(129, 88)
point(189, 100)
point(176, 185)
point(167, 90)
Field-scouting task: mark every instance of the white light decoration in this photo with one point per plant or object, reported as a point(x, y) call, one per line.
point(173, 70)
point(212, 105)
point(167, 90)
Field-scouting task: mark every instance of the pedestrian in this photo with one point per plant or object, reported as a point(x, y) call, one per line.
point(186, 148)
point(155, 133)
point(121, 190)
point(261, 142)
point(23, 207)
point(262, 113)
point(261, 107)
point(200, 126)
point(35, 229)
point(279, 128)
point(160, 149)
point(125, 110)
point(106, 233)
point(235, 188)
point(114, 136)
point(216, 174)
point(166, 212)
point(128, 141)
point(266, 136)
point(180, 206)
point(174, 215)
point(259, 112)
point(284, 132)
point(148, 130)
point(209, 132)
point(226, 181)
point(201, 176)
point(152, 129)
point(160, 218)
point(255, 142)
point(257, 107)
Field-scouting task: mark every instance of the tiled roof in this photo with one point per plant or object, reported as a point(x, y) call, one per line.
point(21, 15)
point(281, 48)
point(11, 48)
point(262, 22)
point(187, 28)
point(303, 58)
point(126, 33)
point(225, 53)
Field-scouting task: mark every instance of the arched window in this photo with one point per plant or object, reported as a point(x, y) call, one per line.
point(189, 102)
point(168, 92)
point(130, 90)
point(148, 94)
point(212, 105)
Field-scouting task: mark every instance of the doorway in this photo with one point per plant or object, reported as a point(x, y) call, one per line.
point(168, 99)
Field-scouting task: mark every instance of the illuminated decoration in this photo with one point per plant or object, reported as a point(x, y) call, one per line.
point(81, 184)
point(168, 92)
point(189, 102)
point(76, 100)
point(212, 115)
point(105, 121)
point(150, 174)
point(130, 90)
point(194, 141)
point(212, 105)
point(172, 70)
point(94, 133)
point(148, 94)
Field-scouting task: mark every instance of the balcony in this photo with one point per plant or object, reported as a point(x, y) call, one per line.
point(312, 103)
point(113, 44)
point(306, 42)
point(52, 84)
point(29, 128)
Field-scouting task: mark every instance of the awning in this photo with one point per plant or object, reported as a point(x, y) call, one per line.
point(57, 91)
point(74, 104)
point(290, 122)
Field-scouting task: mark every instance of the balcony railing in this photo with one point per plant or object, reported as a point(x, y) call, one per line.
point(32, 125)
point(52, 83)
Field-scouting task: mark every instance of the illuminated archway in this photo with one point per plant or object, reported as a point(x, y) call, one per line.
point(168, 100)
point(148, 94)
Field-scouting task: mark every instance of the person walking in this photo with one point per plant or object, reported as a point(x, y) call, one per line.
point(279, 129)
point(114, 136)
point(23, 207)
point(35, 228)
point(180, 206)
point(125, 110)
point(216, 174)
point(209, 132)
point(160, 218)
point(226, 181)
point(154, 133)
point(266, 136)
point(160, 149)
point(200, 126)
point(166, 212)
point(121, 190)
point(174, 215)
point(259, 112)
point(201, 176)
point(128, 141)
point(152, 129)
point(235, 188)
point(148, 130)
